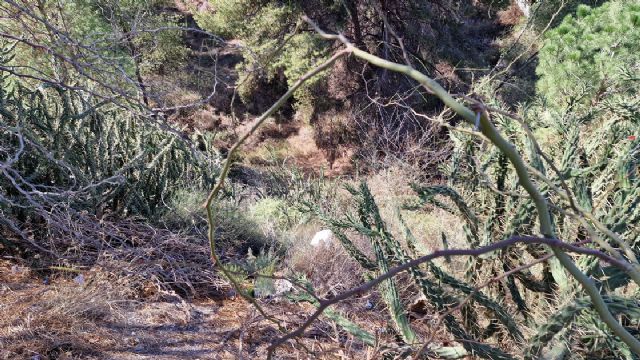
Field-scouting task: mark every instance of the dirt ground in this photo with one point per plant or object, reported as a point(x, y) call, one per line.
point(92, 317)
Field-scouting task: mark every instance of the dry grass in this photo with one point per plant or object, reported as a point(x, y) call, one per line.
point(146, 256)
point(392, 190)
point(137, 278)
point(329, 268)
point(56, 321)
point(105, 318)
point(513, 15)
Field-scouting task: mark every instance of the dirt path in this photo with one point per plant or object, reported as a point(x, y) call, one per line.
point(162, 330)
point(96, 319)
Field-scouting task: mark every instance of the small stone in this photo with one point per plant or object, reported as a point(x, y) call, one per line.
point(283, 286)
point(368, 305)
point(79, 279)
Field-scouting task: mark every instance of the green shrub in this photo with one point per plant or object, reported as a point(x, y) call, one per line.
point(238, 232)
point(86, 160)
point(153, 51)
point(275, 212)
point(543, 11)
point(184, 208)
point(271, 47)
point(111, 159)
point(239, 229)
point(590, 54)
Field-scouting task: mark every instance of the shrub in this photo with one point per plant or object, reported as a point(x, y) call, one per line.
point(543, 11)
point(184, 209)
point(85, 160)
point(237, 232)
point(276, 213)
point(590, 54)
point(271, 49)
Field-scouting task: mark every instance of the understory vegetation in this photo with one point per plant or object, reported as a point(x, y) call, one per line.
point(165, 164)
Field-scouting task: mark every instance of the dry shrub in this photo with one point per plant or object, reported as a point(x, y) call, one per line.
point(204, 120)
point(172, 90)
point(390, 136)
point(334, 133)
point(516, 66)
point(447, 76)
point(344, 79)
point(392, 191)
point(149, 257)
point(329, 268)
point(276, 131)
point(510, 16)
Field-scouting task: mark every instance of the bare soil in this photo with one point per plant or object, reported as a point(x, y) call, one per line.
point(63, 318)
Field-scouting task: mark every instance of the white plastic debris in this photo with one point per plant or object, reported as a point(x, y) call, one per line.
point(322, 237)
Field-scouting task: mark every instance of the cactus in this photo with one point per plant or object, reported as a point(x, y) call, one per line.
point(389, 251)
point(331, 314)
point(591, 179)
point(100, 157)
point(568, 313)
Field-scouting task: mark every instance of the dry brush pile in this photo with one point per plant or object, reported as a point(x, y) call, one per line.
point(80, 179)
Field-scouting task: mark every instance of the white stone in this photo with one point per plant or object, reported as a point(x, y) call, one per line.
point(282, 286)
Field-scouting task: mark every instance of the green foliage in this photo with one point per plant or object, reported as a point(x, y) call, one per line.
point(276, 213)
point(588, 121)
point(184, 208)
point(238, 228)
point(144, 25)
point(390, 252)
point(596, 156)
point(236, 231)
point(145, 164)
point(107, 41)
point(567, 314)
point(331, 314)
point(272, 46)
point(596, 152)
point(262, 267)
point(543, 11)
point(590, 55)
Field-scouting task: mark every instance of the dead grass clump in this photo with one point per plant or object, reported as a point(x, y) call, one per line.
point(236, 232)
point(334, 133)
point(167, 261)
point(58, 321)
point(204, 120)
point(330, 269)
point(510, 16)
point(276, 131)
point(147, 256)
point(392, 191)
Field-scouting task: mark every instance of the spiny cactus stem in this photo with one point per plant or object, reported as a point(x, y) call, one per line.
point(629, 268)
point(491, 132)
point(597, 223)
point(470, 296)
point(324, 304)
